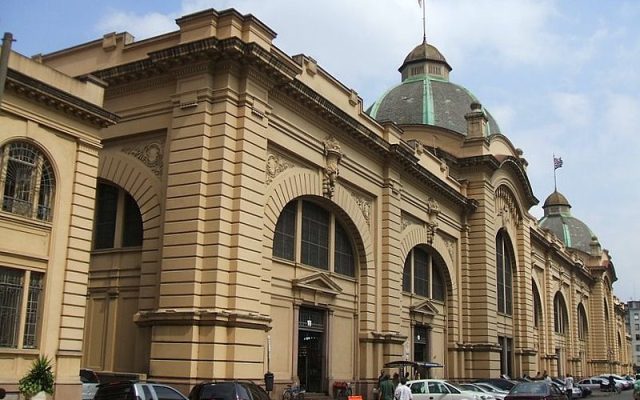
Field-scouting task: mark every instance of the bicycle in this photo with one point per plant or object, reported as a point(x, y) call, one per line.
point(293, 393)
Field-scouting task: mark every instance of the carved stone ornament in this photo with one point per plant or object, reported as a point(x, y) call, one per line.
point(433, 210)
point(506, 207)
point(451, 247)
point(151, 154)
point(276, 165)
point(365, 207)
point(333, 155)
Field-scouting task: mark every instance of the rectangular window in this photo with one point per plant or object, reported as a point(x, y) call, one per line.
point(106, 213)
point(343, 262)
point(285, 234)
point(636, 316)
point(638, 347)
point(421, 344)
point(637, 336)
point(421, 272)
point(315, 236)
point(637, 326)
point(500, 274)
point(13, 303)
point(506, 355)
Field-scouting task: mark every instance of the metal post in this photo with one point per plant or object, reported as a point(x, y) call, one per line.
point(4, 61)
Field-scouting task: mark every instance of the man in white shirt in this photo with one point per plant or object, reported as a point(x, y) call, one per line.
point(568, 386)
point(403, 392)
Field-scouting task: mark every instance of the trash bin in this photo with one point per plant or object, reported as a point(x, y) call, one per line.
point(268, 382)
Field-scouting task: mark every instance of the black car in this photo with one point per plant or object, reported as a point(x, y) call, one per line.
point(228, 390)
point(538, 390)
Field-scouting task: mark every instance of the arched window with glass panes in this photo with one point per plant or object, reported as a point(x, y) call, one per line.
point(118, 221)
point(583, 327)
point(537, 306)
point(561, 317)
point(309, 234)
point(27, 182)
point(505, 263)
point(423, 273)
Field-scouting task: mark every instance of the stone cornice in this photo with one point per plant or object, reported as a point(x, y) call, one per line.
point(410, 162)
point(279, 68)
point(202, 317)
point(52, 97)
point(550, 246)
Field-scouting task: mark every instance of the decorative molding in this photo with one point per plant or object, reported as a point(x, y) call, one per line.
point(451, 247)
point(333, 156)
point(320, 282)
point(409, 220)
point(433, 210)
point(151, 154)
point(424, 308)
point(364, 205)
point(275, 165)
point(506, 208)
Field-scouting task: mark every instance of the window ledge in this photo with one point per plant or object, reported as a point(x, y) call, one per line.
point(18, 219)
point(132, 249)
point(9, 350)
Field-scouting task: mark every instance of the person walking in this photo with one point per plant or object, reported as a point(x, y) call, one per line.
point(402, 391)
point(386, 390)
point(568, 386)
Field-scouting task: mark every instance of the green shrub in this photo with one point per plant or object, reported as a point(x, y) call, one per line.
point(39, 378)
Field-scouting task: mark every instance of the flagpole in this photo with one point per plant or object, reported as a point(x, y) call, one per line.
point(555, 185)
point(424, 22)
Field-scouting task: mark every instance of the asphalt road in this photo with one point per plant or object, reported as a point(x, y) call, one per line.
point(624, 395)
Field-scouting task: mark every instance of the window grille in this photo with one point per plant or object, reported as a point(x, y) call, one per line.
point(343, 255)
point(11, 283)
point(33, 310)
point(315, 236)
point(28, 181)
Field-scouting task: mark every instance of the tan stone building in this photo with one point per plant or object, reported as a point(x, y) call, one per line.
point(251, 216)
point(49, 141)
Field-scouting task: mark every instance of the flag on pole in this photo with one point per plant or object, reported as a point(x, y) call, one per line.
point(557, 162)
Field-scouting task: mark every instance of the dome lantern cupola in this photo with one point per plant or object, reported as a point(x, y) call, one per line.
point(425, 59)
point(558, 219)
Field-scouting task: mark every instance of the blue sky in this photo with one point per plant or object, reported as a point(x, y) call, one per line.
point(559, 76)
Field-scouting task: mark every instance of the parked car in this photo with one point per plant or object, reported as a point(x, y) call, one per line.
point(576, 390)
point(624, 384)
point(90, 383)
point(538, 390)
point(228, 390)
point(131, 390)
point(504, 384)
point(476, 387)
point(436, 389)
point(590, 383)
point(491, 388)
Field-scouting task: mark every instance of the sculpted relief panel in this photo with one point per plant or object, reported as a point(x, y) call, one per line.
point(151, 153)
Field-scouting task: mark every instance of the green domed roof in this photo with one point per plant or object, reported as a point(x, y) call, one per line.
point(426, 96)
point(558, 219)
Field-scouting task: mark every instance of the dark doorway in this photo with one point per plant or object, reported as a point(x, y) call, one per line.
point(311, 350)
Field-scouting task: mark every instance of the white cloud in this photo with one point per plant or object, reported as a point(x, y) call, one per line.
point(573, 109)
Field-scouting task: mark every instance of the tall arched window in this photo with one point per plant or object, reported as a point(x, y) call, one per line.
point(27, 183)
point(308, 233)
point(423, 274)
point(537, 305)
point(583, 327)
point(504, 272)
point(561, 318)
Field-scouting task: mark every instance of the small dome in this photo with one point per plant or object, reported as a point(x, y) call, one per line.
point(558, 219)
point(556, 199)
point(424, 52)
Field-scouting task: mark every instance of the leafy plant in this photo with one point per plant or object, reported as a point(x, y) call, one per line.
point(39, 378)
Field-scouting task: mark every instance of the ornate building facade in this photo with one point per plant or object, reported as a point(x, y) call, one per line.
point(251, 216)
